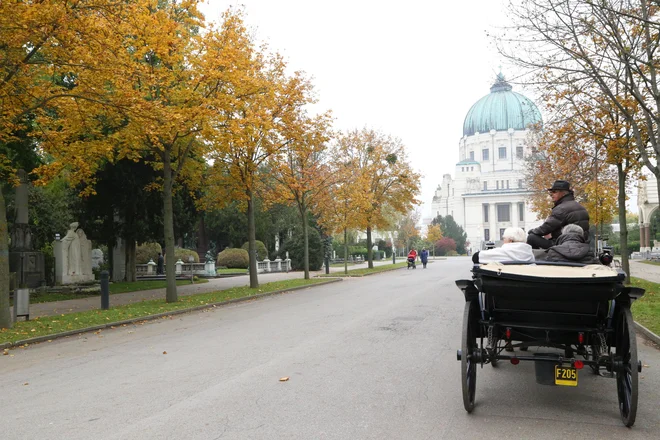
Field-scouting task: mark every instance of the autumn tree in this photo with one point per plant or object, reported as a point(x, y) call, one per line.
point(607, 45)
point(588, 142)
point(254, 122)
point(340, 207)
point(453, 230)
point(54, 56)
point(406, 229)
point(433, 234)
point(179, 80)
point(300, 171)
point(391, 183)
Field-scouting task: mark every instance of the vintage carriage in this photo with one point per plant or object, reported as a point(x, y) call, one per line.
point(573, 315)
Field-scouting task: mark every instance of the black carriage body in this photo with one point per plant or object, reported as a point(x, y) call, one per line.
point(583, 311)
point(546, 308)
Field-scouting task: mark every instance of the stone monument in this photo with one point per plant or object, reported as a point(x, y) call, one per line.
point(97, 258)
point(27, 263)
point(73, 257)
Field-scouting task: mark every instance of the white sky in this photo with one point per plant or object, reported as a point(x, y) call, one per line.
point(411, 69)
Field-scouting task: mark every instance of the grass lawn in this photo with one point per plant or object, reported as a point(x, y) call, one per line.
point(366, 271)
point(50, 325)
point(124, 287)
point(646, 310)
point(120, 287)
point(654, 263)
point(230, 271)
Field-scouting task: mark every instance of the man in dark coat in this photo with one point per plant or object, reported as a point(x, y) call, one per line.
point(571, 246)
point(160, 264)
point(565, 212)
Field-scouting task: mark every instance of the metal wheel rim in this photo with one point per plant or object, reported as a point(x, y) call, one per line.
point(627, 380)
point(468, 366)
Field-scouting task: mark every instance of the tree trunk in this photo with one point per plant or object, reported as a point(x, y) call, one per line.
point(131, 271)
point(346, 251)
point(623, 234)
point(370, 253)
point(168, 221)
point(252, 248)
point(5, 316)
point(305, 227)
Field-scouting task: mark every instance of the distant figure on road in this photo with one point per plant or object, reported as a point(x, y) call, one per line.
point(412, 257)
point(424, 256)
point(159, 266)
point(566, 211)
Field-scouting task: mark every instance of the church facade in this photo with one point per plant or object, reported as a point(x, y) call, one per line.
point(488, 193)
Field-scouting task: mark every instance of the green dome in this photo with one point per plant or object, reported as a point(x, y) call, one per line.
point(500, 110)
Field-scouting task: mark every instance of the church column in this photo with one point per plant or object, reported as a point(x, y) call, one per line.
point(515, 214)
point(647, 235)
point(494, 233)
point(642, 238)
point(492, 144)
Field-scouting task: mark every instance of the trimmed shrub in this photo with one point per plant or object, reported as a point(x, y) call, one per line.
point(262, 252)
point(146, 252)
point(183, 254)
point(233, 258)
point(451, 253)
point(295, 247)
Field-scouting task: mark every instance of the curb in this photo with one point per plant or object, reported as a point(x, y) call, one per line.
point(648, 334)
point(157, 316)
point(343, 275)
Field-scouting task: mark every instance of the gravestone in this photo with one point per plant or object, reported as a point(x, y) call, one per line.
point(119, 261)
point(23, 259)
point(97, 258)
point(73, 257)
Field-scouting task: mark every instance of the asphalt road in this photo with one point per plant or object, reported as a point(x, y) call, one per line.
point(367, 358)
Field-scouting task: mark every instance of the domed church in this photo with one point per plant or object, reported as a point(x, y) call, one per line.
point(488, 192)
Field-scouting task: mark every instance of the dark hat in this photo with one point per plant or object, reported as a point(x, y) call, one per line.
point(560, 185)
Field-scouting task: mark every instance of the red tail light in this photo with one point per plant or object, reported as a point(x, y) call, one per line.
point(581, 338)
point(515, 361)
point(578, 364)
point(508, 332)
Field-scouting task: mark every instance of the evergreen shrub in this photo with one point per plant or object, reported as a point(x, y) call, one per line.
point(146, 252)
point(262, 252)
point(233, 258)
point(296, 248)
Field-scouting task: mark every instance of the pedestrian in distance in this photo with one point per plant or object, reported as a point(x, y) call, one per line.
point(424, 256)
point(160, 264)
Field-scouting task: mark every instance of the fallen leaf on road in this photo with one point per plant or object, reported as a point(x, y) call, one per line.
point(164, 352)
point(646, 366)
point(5, 352)
point(284, 379)
point(26, 383)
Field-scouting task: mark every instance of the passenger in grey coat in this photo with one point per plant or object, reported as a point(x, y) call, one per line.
point(571, 246)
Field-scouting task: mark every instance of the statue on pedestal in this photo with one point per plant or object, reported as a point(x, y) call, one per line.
point(73, 257)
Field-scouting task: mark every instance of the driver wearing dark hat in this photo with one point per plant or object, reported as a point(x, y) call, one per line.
point(566, 211)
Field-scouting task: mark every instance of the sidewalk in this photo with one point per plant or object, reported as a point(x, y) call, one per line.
point(648, 272)
point(214, 284)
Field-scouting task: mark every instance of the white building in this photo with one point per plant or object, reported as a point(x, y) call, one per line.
point(488, 192)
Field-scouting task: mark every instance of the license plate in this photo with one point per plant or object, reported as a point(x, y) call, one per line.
point(566, 376)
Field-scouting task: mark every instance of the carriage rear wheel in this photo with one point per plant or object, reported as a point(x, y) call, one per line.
point(627, 374)
point(469, 350)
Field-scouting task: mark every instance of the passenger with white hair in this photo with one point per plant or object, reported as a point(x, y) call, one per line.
point(571, 247)
point(514, 248)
